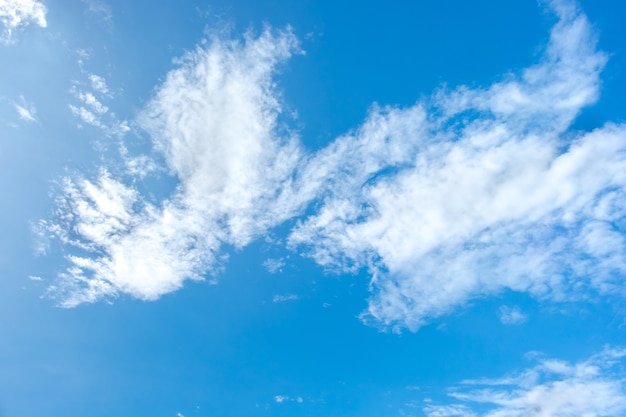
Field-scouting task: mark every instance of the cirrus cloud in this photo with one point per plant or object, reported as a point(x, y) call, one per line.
point(553, 388)
point(480, 190)
point(461, 196)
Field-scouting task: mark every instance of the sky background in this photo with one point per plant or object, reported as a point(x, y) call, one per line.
point(278, 208)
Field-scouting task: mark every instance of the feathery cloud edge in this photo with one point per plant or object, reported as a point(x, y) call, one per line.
point(460, 196)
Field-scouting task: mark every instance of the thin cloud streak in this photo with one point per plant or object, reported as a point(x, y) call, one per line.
point(553, 388)
point(25, 110)
point(278, 298)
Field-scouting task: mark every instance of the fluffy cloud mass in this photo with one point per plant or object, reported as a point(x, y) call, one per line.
point(17, 13)
point(553, 388)
point(487, 191)
point(214, 121)
point(460, 196)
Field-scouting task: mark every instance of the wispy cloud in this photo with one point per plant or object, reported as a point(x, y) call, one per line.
point(477, 190)
point(25, 114)
point(98, 83)
point(553, 388)
point(90, 100)
point(456, 410)
point(99, 8)
point(85, 115)
point(274, 265)
point(90, 108)
point(283, 398)
point(282, 298)
point(15, 14)
point(26, 111)
point(511, 315)
point(460, 196)
point(214, 120)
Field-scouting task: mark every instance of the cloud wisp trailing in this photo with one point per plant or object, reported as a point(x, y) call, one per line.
point(25, 110)
point(15, 14)
point(553, 388)
point(458, 197)
point(89, 105)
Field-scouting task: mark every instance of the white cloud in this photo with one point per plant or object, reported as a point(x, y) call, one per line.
point(479, 190)
point(553, 388)
point(85, 115)
point(99, 84)
point(511, 315)
point(25, 114)
point(214, 120)
point(90, 100)
point(140, 166)
point(131, 246)
point(449, 411)
point(82, 58)
point(100, 8)
point(90, 110)
point(283, 398)
point(282, 298)
point(26, 111)
point(274, 265)
point(15, 14)
point(458, 197)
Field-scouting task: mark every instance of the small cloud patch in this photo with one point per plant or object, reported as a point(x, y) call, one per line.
point(274, 265)
point(282, 298)
point(284, 398)
point(511, 315)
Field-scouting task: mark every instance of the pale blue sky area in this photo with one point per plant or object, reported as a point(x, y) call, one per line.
point(300, 208)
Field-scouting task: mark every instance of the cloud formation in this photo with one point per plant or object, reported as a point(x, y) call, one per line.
point(553, 388)
point(89, 105)
point(15, 14)
point(458, 197)
point(25, 110)
point(274, 265)
point(283, 398)
point(511, 315)
point(279, 298)
point(214, 120)
point(99, 8)
point(480, 190)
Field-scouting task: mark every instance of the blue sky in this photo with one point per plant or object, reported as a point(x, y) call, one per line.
point(277, 208)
